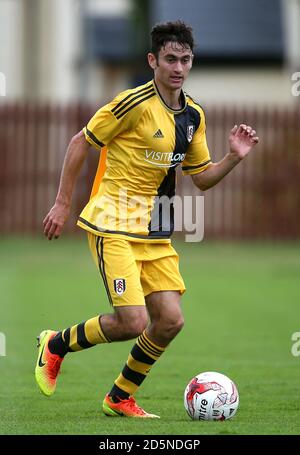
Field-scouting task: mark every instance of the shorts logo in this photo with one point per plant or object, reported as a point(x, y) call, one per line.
point(190, 132)
point(119, 286)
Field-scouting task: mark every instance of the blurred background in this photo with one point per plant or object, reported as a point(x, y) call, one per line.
point(63, 59)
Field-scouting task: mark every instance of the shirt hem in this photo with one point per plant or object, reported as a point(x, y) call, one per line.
point(122, 236)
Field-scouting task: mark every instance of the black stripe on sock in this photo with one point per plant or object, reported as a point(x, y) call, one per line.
point(67, 339)
point(81, 337)
point(116, 392)
point(57, 345)
point(133, 376)
point(147, 348)
point(148, 343)
point(66, 336)
point(139, 355)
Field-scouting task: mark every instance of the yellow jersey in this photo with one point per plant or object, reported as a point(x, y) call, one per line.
point(143, 141)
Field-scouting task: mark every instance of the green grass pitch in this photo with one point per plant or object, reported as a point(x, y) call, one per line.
point(241, 309)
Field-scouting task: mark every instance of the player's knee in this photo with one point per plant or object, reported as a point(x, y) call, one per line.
point(174, 326)
point(137, 325)
point(178, 326)
point(134, 324)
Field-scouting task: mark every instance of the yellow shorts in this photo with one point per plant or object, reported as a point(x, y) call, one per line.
point(132, 270)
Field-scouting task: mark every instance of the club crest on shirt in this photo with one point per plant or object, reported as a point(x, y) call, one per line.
point(119, 286)
point(190, 132)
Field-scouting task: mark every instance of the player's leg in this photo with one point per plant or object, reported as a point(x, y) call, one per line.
point(166, 322)
point(121, 277)
point(124, 324)
point(165, 315)
point(163, 287)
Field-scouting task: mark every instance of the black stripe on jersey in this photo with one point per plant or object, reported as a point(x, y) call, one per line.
point(140, 95)
point(81, 337)
point(187, 168)
point(133, 376)
point(195, 102)
point(93, 137)
point(135, 104)
point(162, 215)
point(130, 95)
point(101, 267)
point(162, 218)
point(161, 235)
point(139, 355)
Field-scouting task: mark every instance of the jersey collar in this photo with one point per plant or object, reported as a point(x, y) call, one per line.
point(173, 111)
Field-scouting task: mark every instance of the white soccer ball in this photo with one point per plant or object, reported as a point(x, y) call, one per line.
point(211, 396)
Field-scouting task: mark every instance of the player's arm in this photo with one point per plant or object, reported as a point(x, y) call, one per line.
point(76, 154)
point(241, 140)
point(100, 130)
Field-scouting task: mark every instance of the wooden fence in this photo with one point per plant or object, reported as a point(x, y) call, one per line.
point(260, 199)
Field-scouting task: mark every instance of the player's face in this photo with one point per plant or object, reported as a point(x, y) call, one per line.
point(173, 65)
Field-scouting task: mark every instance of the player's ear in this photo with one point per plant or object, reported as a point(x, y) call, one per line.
point(152, 60)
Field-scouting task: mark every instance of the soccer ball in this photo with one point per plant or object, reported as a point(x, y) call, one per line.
point(211, 396)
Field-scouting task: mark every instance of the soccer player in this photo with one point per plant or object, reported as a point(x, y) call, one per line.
point(143, 135)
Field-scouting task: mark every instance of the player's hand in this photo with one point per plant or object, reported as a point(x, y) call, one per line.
point(241, 140)
point(55, 220)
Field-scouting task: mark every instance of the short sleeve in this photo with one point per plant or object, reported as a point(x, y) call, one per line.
point(197, 157)
point(110, 121)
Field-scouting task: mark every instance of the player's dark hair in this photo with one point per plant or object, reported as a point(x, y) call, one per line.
point(176, 31)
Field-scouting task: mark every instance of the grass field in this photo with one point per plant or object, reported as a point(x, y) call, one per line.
point(241, 308)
